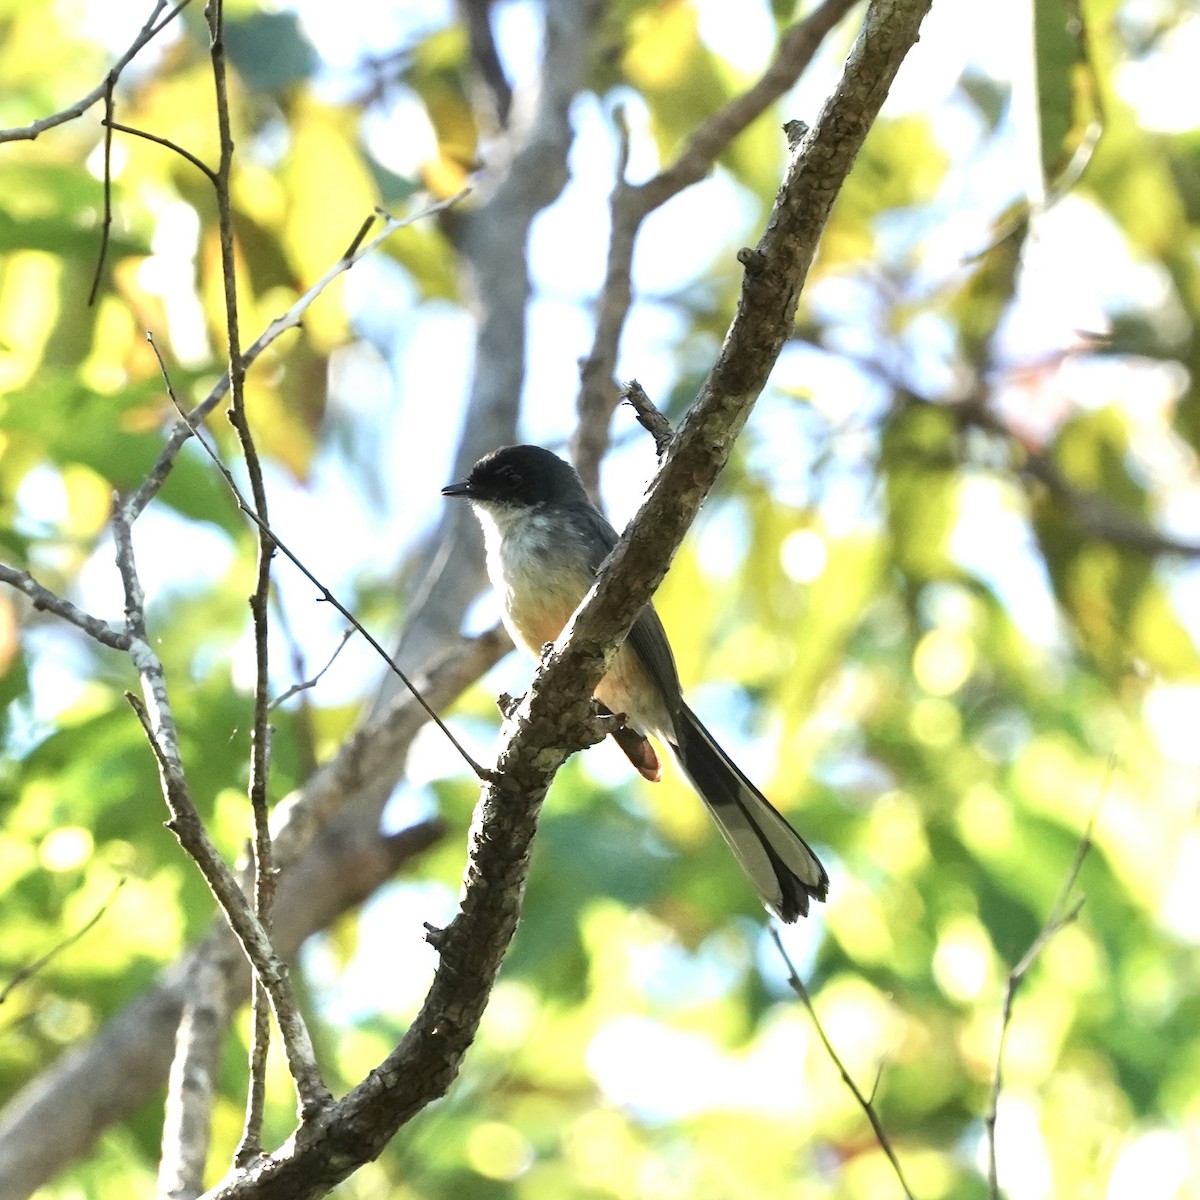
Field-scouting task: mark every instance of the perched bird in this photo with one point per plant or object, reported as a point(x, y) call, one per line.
point(545, 542)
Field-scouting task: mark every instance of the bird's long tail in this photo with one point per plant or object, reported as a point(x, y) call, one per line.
point(775, 858)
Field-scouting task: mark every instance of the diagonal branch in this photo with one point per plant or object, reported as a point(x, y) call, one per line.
point(632, 203)
point(556, 715)
point(152, 28)
point(182, 429)
point(866, 1103)
point(328, 862)
point(327, 596)
point(44, 600)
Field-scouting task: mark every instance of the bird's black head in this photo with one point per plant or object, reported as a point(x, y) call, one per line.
point(519, 476)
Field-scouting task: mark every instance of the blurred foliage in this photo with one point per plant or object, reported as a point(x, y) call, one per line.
point(928, 659)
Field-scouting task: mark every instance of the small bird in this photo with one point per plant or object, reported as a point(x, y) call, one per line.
point(545, 541)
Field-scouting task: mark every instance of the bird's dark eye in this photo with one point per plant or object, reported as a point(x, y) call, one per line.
point(509, 478)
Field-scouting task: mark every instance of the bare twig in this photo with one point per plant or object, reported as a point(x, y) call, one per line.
point(187, 826)
point(866, 1103)
point(147, 33)
point(200, 166)
point(44, 600)
point(631, 204)
point(648, 417)
point(1063, 912)
point(158, 721)
point(247, 507)
point(312, 680)
point(38, 964)
point(310, 1088)
point(185, 426)
point(106, 223)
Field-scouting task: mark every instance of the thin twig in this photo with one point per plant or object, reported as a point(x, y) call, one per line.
point(308, 1086)
point(200, 166)
point(1062, 913)
point(106, 224)
point(146, 34)
point(186, 825)
point(186, 425)
point(158, 720)
point(38, 964)
point(866, 1103)
point(313, 680)
point(44, 600)
point(631, 204)
point(477, 769)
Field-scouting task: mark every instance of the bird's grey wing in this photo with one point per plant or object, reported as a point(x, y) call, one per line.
point(647, 638)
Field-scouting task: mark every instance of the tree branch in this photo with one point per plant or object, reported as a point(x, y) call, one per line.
point(158, 721)
point(866, 1103)
point(311, 1092)
point(192, 1084)
point(152, 28)
point(44, 600)
point(556, 715)
point(328, 862)
point(632, 203)
point(1063, 912)
point(327, 596)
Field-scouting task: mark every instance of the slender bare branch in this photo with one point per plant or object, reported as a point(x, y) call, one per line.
point(38, 964)
point(866, 1103)
point(187, 155)
point(152, 28)
point(311, 1092)
point(44, 600)
point(106, 222)
point(248, 509)
point(312, 680)
point(1063, 912)
point(632, 203)
point(159, 723)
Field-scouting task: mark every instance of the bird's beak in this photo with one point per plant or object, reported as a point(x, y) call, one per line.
point(458, 489)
